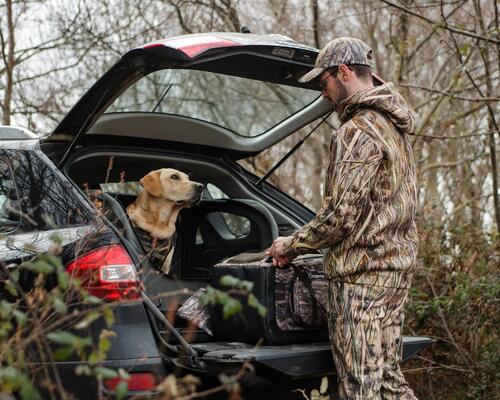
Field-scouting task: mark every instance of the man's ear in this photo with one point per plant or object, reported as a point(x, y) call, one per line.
point(152, 184)
point(343, 72)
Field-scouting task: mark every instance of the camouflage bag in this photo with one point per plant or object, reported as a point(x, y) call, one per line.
point(301, 294)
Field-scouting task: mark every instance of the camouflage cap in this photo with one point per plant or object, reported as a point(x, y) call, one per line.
point(344, 50)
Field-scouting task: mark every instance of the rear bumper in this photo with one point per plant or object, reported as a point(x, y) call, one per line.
point(87, 387)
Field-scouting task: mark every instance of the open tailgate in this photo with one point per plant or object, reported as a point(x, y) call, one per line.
point(288, 362)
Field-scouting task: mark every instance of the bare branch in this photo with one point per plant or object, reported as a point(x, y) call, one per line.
point(440, 25)
point(449, 94)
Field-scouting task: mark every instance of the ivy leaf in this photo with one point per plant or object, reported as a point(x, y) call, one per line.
point(63, 353)
point(104, 344)
point(20, 317)
point(15, 274)
point(88, 319)
point(52, 260)
point(229, 280)
point(56, 238)
point(109, 316)
point(230, 307)
point(60, 306)
point(93, 299)
point(12, 378)
point(105, 373)
point(68, 339)
point(9, 286)
point(121, 390)
point(97, 356)
point(28, 391)
point(83, 370)
point(5, 309)
point(246, 286)
point(39, 266)
point(62, 278)
point(254, 302)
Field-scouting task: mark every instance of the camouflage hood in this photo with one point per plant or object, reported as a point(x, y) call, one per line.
point(384, 99)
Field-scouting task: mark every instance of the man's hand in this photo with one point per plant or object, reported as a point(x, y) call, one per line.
point(277, 252)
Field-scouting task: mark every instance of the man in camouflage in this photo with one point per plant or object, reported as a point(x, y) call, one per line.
point(366, 226)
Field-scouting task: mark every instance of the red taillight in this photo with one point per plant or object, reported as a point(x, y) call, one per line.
point(138, 381)
point(107, 273)
point(192, 46)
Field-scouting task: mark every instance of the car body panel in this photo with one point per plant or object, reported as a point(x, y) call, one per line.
point(26, 244)
point(32, 183)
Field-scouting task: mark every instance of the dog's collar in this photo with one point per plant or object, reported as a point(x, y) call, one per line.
point(156, 250)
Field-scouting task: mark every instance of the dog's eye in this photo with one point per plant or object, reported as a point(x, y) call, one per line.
point(174, 177)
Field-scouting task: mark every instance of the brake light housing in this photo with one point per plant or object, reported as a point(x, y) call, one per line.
point(193, 46)
point(108, 273)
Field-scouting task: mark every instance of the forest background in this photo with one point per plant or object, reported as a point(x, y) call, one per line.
point(443, 56)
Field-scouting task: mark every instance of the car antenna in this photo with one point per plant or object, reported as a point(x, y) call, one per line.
point(292, 150)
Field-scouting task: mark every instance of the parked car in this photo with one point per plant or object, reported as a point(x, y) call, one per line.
point(197, 103)
point(40, 207)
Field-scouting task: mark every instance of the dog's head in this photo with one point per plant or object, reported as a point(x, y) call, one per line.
point(172, 185)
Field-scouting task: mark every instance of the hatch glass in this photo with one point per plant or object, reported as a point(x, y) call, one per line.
point(245, 106)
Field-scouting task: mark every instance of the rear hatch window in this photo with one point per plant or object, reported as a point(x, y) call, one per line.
point(245, 106)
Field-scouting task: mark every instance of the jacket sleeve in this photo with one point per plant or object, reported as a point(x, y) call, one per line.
point(356, 159)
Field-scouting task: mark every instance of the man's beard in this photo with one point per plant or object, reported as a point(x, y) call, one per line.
point(341, 93)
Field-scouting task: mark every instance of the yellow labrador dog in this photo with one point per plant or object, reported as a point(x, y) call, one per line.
point(166, 192)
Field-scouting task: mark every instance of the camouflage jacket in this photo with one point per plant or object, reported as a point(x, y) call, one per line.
point(366, 225)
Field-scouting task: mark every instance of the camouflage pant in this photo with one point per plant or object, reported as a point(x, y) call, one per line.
point(365, 324)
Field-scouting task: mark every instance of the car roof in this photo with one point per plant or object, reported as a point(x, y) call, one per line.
point(14, 137)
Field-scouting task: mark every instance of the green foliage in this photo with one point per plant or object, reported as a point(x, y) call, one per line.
point(121, 390)
point(12, 380)
point(230, 305)
point(454, 299)
point(44, 319)
point(44, 263)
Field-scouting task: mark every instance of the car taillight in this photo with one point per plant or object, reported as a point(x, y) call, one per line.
point(138, 381)
point(107, 273)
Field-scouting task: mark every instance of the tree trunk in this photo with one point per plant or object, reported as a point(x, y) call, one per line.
point(9, 65)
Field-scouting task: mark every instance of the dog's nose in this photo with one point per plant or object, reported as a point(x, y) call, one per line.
point(199, 187)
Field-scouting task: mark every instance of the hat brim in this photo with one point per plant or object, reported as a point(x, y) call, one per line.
point(312, 75)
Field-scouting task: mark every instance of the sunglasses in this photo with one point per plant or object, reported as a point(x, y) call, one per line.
point(323, 81)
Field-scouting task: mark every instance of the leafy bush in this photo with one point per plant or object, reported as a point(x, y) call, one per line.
point(454, 300)
point(44, 316)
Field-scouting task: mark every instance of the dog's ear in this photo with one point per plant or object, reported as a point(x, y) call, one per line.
point(152, 184)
